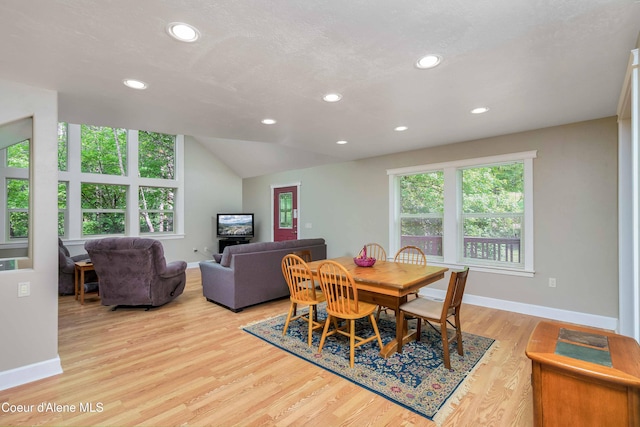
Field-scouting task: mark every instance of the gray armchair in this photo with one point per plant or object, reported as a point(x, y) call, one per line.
point(66, 270)
point(133, 272)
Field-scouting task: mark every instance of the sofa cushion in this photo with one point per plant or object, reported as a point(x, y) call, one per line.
point(225, 261)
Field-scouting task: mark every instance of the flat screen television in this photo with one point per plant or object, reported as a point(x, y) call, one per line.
point(235, 226)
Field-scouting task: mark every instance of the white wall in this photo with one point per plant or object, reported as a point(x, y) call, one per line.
point(575, 186)
point(29, 331)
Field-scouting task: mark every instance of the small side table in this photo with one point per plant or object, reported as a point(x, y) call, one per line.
point(81, 267)
point(583, 376)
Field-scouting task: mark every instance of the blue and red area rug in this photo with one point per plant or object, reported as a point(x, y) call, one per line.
point(415, 379)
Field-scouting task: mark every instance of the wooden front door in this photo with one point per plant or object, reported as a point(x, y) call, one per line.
point(285, 213)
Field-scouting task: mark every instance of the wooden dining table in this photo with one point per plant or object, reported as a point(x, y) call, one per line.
point(388, 283)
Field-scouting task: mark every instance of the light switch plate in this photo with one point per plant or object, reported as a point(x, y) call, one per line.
point(24, 289)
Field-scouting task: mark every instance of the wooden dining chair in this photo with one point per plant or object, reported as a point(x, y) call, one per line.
point(440, 312)
point(305, 254)
point(409, 255)
point(302, 290)
point(342, 303)
point(374, 250)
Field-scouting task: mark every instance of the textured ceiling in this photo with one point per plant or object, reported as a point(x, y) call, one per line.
point(533, 63)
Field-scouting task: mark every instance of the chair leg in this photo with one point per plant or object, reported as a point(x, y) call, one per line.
point(311, 311)
point(352, 342)
point(324, 333)
point(445, 345)
point(459, 334)
point(292, 311)
point(378, 313)
point(418, 329)
point(375, 329)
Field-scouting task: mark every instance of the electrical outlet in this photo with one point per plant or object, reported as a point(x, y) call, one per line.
point(206, 249)
point(195, 249)
point(552, 282)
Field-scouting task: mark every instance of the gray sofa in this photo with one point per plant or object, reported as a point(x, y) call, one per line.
point(251, 274)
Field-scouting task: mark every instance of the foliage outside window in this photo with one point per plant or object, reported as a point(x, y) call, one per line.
point(18, 208)
point(493, 213)
point(18, 155)
point(62, 208)
point(286, 210)
point(422, 211)
point(103, 209)
point(63, 133)
point(156, 155)
point(104, 150)
point(156, 209)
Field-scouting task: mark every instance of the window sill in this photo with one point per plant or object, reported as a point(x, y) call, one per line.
point(486, 269)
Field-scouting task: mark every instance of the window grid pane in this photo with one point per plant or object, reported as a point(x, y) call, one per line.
point(104, 150)
point(156, 206)
point(421, 212)
point(493, 214)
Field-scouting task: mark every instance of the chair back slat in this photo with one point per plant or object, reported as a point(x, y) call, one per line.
point(411, 255)
point(455, 291)
point(338, 288)
point(374, 250)
point(299, 278)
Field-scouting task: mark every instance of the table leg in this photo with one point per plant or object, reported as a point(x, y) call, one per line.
point(75, 283)
point(82, 286)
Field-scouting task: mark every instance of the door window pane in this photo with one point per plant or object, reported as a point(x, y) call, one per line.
point(286, 210)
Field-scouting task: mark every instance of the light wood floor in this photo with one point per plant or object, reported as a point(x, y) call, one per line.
point(188, 363)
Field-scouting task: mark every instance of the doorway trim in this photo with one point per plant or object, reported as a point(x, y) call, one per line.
point(298, 204)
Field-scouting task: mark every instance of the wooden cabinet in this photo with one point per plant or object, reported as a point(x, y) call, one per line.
point(583, 377)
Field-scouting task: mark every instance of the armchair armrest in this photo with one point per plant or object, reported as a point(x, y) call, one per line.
point(173, 269)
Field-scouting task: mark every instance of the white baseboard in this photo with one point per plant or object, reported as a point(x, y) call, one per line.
point(593, 320)
point(29, 373)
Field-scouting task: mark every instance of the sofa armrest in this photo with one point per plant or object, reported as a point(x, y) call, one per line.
point(173, 269)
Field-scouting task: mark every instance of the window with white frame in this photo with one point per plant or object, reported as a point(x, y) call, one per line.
point(118, 182)
point(475, 212)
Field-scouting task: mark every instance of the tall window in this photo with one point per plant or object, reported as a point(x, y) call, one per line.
point(422, 211)
point(17, 191)
point(493, 214)
point(18, 208)
point(476, 212)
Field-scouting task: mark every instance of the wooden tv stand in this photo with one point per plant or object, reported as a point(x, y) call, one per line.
point(223, 243)
point(583, 376)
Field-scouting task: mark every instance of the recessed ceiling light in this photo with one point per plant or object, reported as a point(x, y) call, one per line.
point(401, 128)
point(268, 121)
point(428, 61)
point(341, 142)
point(332, 97)
point(135, 84)
point(479, 110)
point(183, 32)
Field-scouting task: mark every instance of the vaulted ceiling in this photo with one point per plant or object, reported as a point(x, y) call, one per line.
point(534, 64)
